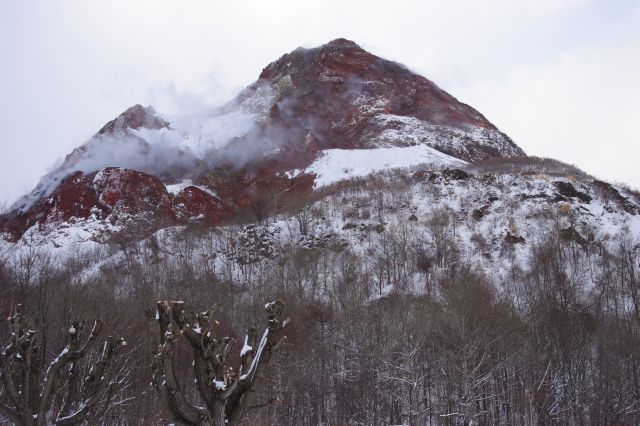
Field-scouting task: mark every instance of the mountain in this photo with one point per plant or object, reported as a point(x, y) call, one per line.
point(313, 117)
point(432, 272)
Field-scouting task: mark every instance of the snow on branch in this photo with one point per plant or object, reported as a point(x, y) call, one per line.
point(220, 383)
point(74, 386)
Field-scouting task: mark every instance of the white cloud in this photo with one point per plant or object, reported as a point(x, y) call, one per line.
point(579, 107)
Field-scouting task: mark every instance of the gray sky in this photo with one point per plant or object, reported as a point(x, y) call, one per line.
point(559, 76)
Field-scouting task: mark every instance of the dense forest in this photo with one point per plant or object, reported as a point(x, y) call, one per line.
point(398, 325)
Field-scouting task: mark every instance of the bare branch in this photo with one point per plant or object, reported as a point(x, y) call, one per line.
point(220, 385)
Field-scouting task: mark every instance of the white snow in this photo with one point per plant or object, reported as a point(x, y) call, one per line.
point(339, 164)
point(246, 348)
point(177, 187)
point(256, 359)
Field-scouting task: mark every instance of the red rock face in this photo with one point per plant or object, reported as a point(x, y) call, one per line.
point(328, 81)
point(74, 197)
point(193, 204)
point(129, 192)
point(337, 91)
point(132, 202)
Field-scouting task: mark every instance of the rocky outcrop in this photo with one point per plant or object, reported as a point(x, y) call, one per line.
point(133, 201)
point(349, 98)
point(130, 202)
point(567, 190)
point(193, 204)
point(74, 197)
point(135, 118)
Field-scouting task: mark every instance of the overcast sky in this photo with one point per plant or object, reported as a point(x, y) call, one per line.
point(561, 77)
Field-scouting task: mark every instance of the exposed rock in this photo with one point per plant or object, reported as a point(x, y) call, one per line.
point(135, 118)
point(610, 193)
point(254, 244)
point(194, 204)
point(567, 190)
point(455, 174)
point(478, 214)
point(74, 197)
point(571, 234)
point(131, 191)
point(514, 239)
point(349, 98)
point(136, 202)
point(488, 179)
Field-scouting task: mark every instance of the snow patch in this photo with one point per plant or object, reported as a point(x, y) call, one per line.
point(339, 164)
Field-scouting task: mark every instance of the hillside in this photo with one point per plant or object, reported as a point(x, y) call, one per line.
point(399, 280)
point(432, 273)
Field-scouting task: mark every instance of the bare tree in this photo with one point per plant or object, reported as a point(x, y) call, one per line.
point(439, 230)
point(81, 383)
point(260, 208)
point(221, 387)
point(304, 217)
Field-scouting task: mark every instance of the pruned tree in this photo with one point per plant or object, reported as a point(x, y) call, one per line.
point(221, 386)
point(81, 383)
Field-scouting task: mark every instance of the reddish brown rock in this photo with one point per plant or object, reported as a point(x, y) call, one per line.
point(73, 198)
point(338, 92)
point(194, 204)
point(135, 118)
point(135, 201)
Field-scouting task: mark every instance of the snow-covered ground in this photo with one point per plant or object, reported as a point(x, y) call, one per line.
point(334, 165)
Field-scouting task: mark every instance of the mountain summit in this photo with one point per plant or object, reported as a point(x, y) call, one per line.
point(314, 116)
point(349, 98)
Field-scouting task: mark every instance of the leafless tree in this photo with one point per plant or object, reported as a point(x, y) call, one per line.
point(304, 217)
point(438, 228)
point(222, 388)
point(80, 384)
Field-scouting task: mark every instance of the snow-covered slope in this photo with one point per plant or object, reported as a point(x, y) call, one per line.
point(334, 165)
point(492, 222)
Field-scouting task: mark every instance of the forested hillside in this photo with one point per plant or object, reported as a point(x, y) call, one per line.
point(504, 292)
